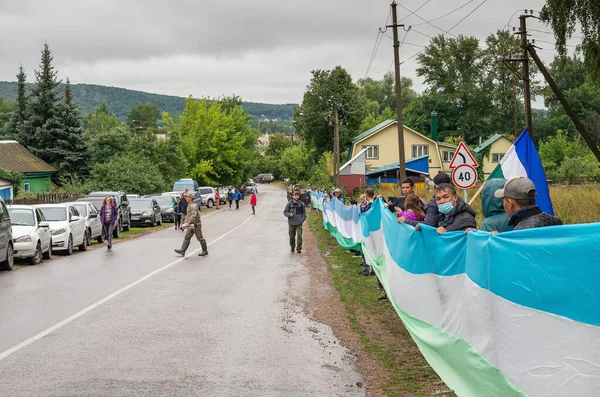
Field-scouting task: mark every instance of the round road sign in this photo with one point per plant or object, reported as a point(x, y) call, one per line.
point(464, 176)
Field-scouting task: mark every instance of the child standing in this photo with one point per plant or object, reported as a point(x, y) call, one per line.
point(412, 208)
point(253, 202)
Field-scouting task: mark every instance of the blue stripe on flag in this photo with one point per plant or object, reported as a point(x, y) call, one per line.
point(529, 157)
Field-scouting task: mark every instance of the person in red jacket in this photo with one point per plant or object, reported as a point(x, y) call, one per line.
point(253, 203)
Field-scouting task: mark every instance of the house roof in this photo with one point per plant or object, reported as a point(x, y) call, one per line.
point(416, 165)
point(16, 158)
point(373, 130)
point(489, 142)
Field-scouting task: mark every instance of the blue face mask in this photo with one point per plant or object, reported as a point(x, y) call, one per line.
point(446, 208)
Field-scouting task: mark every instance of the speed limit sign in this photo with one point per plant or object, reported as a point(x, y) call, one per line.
point(464, 176)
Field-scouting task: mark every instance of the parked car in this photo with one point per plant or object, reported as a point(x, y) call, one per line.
point(123, 208)
point(145, 211)
point(132, 196)
point(264, 178)
point(187, 183)
point(208, 195)
point(150, 195)
point(172, 194)
point(93, 223)
point(223, 194)
point(31, 233)
point(66, 227)
point(6, 239)
point(97, 201)
point(166, 207)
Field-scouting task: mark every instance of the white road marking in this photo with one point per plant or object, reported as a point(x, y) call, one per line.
point(75, 316)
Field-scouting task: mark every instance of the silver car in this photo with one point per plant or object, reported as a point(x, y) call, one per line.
point(31, 233)
point(91, 214)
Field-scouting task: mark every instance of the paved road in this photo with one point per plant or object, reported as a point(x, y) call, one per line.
point(138, 320)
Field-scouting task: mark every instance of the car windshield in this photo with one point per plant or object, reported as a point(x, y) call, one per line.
point(164, 200)
point(138, 205)
point(82, 208)
point(182, 187)
point(21, 217)
point(54, 213)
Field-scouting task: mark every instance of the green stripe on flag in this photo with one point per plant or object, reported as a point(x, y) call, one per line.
point(346, 243)
point(497, 173)
point(462, 367)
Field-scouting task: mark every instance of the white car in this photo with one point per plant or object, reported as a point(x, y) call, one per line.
point(66, 226)
point(31, 233)
point(208, 195)
point(91, 214)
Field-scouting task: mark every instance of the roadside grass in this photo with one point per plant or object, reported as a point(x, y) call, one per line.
point(376, 322)
point(573, 203)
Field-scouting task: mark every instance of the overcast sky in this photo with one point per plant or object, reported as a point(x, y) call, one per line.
point(261, 50)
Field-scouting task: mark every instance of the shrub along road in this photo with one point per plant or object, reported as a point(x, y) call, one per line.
point(138, 320)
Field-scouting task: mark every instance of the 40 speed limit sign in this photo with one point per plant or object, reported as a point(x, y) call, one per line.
point(464, 176)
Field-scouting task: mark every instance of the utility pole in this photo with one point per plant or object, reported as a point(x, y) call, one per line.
point(526, 76)
point(401, 155)
point(515, 131)
point(336, 147)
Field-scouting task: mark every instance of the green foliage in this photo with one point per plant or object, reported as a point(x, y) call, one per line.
point(15, 177)
point(277, 144)
point(371, 120)
point(128, 172)
point(100, 120)
point(6, 111)
point(567, 159)
point(295, 162)
point(323, 171)
point(564, 16)
point(109, 144)
point(328, 90)
point(121, 100)
point(143, 117)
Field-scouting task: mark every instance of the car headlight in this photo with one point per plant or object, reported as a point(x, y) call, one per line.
point(146, 214)
point(169, 211)
point(23, 239)
point(55, 232)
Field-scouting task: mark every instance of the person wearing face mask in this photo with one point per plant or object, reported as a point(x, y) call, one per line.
point(454, 213)
point(431, 210)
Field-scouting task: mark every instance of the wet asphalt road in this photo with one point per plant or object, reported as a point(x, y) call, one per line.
point(140, 321)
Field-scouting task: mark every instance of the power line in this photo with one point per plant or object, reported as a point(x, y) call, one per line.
point(405, 42)
point(466, 16)
point(446, 14)
point(421, 33)
point(376, 45)
point(412, 13)
point(426, 21)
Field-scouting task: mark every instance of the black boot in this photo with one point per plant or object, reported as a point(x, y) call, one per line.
point(204, 248)
point(184, 247)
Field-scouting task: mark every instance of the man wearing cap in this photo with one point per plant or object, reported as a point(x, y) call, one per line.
point(431, 212)
point(518, 199)
point(192, 226)
point(295, 211)
point(337, 193)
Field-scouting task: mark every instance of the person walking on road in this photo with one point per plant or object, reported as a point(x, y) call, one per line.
point(230, 197)
point(217, 198)
point(236, 197)
point(253, 203)
point(176, 213)
point(193, 226)
point(295, 211)
point(183, 204)
point(108, 215)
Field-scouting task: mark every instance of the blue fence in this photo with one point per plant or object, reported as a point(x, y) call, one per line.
point(375, 181)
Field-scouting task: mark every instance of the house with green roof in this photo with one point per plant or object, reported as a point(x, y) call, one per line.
point(15, 158)
point(490, 152)
point(382, 144)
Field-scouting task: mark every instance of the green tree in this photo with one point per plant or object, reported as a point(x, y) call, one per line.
point(277, 144)
point(328, 90)
point(100, 120)
point(322, 174)
point(6, 111)
point(564, 16)
point(16, 119)
point(170, 157)
point(34, 133)
point(128, 172)
point(109, 144)
point(295, 163)
point(383, 93)
point(143, 117)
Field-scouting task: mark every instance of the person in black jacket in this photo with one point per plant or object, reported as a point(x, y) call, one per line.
point(431, 211)
point(454, 214)
point(295, 211)
point(182, 206)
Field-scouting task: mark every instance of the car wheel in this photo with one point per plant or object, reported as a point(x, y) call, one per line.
point(85, 243)
point(128, 226)
point(117, 230)
point(210, 203)
point(100, 238)
point(48, 254)
point(9, 262)
point(70, 245)
point(37, 255)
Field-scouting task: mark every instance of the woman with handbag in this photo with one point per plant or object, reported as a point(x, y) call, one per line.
point(108, 216)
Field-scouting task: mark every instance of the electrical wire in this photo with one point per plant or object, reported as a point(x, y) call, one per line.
point(426, 21)
point(469, 14)
point(413, 12)
point(377, 43)
point(446, 14)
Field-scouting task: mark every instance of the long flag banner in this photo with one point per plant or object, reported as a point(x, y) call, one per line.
point(512, 314)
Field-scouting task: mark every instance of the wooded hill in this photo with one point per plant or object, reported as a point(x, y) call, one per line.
point(121, 100)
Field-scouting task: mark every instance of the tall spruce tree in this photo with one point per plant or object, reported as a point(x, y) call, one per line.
point(41, 105)
point(66, 149)
point(19, 115)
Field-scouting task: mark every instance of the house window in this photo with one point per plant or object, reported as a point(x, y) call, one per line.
point(447, 156)
point(373, 152)
point(497, 157)
point(420, 150)
point(27, 187)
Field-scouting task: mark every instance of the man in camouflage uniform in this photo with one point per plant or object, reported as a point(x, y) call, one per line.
point(192, 225)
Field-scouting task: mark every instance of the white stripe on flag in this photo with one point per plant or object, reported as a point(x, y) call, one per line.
point(511, 165)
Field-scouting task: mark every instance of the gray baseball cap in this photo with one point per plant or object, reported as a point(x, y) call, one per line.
point(517, 188)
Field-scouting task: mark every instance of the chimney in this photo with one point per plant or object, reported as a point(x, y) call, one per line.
point(480, 139)
point(434, 126)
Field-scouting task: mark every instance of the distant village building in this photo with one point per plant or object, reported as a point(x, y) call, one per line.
point(493, 150)
point(264, 140)
point(14, 157)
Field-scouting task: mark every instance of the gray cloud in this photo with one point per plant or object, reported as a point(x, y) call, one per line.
point(262, 50)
